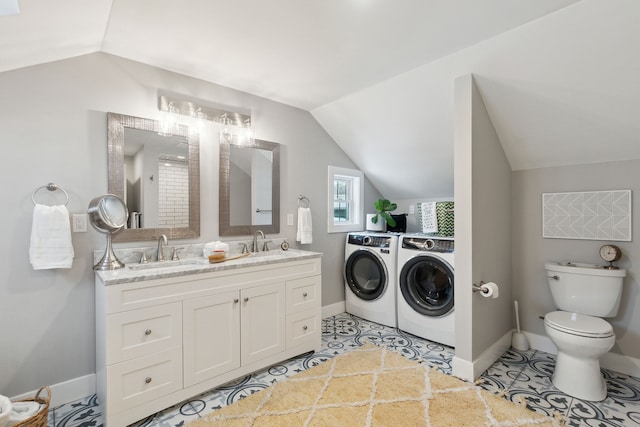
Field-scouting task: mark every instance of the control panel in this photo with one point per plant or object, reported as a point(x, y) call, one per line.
point(370, 241)
point(428, 244)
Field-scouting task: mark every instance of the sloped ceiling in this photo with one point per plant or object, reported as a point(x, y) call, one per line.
point(560, 90)
point(557, 76)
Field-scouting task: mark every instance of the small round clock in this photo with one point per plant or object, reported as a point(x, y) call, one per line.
point(610, 253)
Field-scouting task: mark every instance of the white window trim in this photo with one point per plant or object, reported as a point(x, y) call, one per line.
point(358, 199)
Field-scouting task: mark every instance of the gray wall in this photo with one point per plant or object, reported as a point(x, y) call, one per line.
point(404, 206)
point(53, 128)
point(491, 216)
point(482, 220)
point(531, 251)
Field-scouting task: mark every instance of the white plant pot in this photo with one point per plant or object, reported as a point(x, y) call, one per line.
point(375, 227)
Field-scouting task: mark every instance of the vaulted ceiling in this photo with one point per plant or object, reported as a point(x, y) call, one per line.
point(558, 77)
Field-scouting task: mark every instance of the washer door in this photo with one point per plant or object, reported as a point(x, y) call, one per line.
point(366, 274)
point(426, 283)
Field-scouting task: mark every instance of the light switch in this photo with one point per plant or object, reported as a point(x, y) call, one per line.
point(412, 209)
point(289, 219)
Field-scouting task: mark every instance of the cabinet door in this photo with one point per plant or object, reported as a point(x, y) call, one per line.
point(263, 322)
point(211, 336)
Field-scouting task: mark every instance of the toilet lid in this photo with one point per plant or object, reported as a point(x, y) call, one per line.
point(578, 324)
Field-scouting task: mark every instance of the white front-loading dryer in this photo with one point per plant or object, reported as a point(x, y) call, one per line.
point(370, 276)
point(425, 302)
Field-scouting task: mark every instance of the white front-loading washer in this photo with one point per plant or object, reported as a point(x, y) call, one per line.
point(370, 276)
point(426, 287)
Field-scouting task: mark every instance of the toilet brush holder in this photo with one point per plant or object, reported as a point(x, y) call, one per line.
point(519, 340)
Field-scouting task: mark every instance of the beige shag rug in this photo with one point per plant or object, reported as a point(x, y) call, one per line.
point(373, 386)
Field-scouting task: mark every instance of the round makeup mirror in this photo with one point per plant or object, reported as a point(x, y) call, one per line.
point(108, 214)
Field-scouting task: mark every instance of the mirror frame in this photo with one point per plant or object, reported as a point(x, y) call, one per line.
point(226, 229)
point(116, 124)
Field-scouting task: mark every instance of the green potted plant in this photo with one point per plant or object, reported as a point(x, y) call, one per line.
point(383, 207)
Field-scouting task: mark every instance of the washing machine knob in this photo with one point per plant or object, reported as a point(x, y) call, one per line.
point(429, 244)
point(367, 240)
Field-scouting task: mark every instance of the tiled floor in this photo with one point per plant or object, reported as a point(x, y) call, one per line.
point(519, 375)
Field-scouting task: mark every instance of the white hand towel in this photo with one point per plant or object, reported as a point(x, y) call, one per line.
point(304, 234)
point(23, 410)
point(429, 217)
point(5, 410)
point(50, 238)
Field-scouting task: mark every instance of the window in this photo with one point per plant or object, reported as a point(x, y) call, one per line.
point(345, 200)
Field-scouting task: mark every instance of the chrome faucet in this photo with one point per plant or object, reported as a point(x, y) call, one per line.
point(159, 253)
point(255, 248)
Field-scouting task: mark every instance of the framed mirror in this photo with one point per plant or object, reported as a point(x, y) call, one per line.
point(157, 173)
point(249, 188)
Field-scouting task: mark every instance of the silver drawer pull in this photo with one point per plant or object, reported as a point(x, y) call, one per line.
point(147, 332)
point(304, 295)
point(236, 300)
point(304, 328)
point(556, 277)
point(147, 380)
point(246, 299)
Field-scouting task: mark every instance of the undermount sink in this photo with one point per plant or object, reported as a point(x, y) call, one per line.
point(167, 264)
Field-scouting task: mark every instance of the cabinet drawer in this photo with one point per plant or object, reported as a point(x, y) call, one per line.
point(136, 333)
point(304, 328)
point(303, 294)
point(144, 379)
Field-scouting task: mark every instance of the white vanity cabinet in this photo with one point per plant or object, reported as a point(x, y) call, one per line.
point(161, 340)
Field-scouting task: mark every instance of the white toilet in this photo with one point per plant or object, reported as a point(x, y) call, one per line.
point(584, 293)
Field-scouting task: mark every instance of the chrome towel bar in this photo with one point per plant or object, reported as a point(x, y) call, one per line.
point(301, 200)
point(51, 187)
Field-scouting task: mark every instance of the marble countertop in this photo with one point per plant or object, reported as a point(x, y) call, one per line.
point(159, 270)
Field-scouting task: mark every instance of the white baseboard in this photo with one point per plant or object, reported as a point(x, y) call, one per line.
point(469, 371)
point(462, 369)
point(333, 309)
point(67, 391)
point(620, 363)
point(612, 361)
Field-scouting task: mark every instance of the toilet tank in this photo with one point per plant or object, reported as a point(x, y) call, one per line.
point(585, 288)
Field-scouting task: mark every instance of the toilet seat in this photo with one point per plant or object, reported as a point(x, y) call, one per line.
point(578, 324)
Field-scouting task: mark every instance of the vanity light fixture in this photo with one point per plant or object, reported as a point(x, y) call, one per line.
point(232, 123)
point(199, 118)
point(247, 133)
point(225, 133)
point(236, 134)
point(169, 120)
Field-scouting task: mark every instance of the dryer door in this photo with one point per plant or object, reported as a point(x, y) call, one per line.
point(366, 274)
point(426, 283)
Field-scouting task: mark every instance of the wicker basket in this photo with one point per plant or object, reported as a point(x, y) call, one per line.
point(39, 419)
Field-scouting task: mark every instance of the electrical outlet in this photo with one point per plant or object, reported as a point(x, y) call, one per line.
point(79, 223)
point(412, 209)
point(289, 219)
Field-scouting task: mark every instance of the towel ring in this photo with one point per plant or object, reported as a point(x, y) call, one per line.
point(302, 199)
point(51, 187)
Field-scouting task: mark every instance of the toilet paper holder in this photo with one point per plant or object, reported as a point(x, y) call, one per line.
point(487, 289)
point(479, 288)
